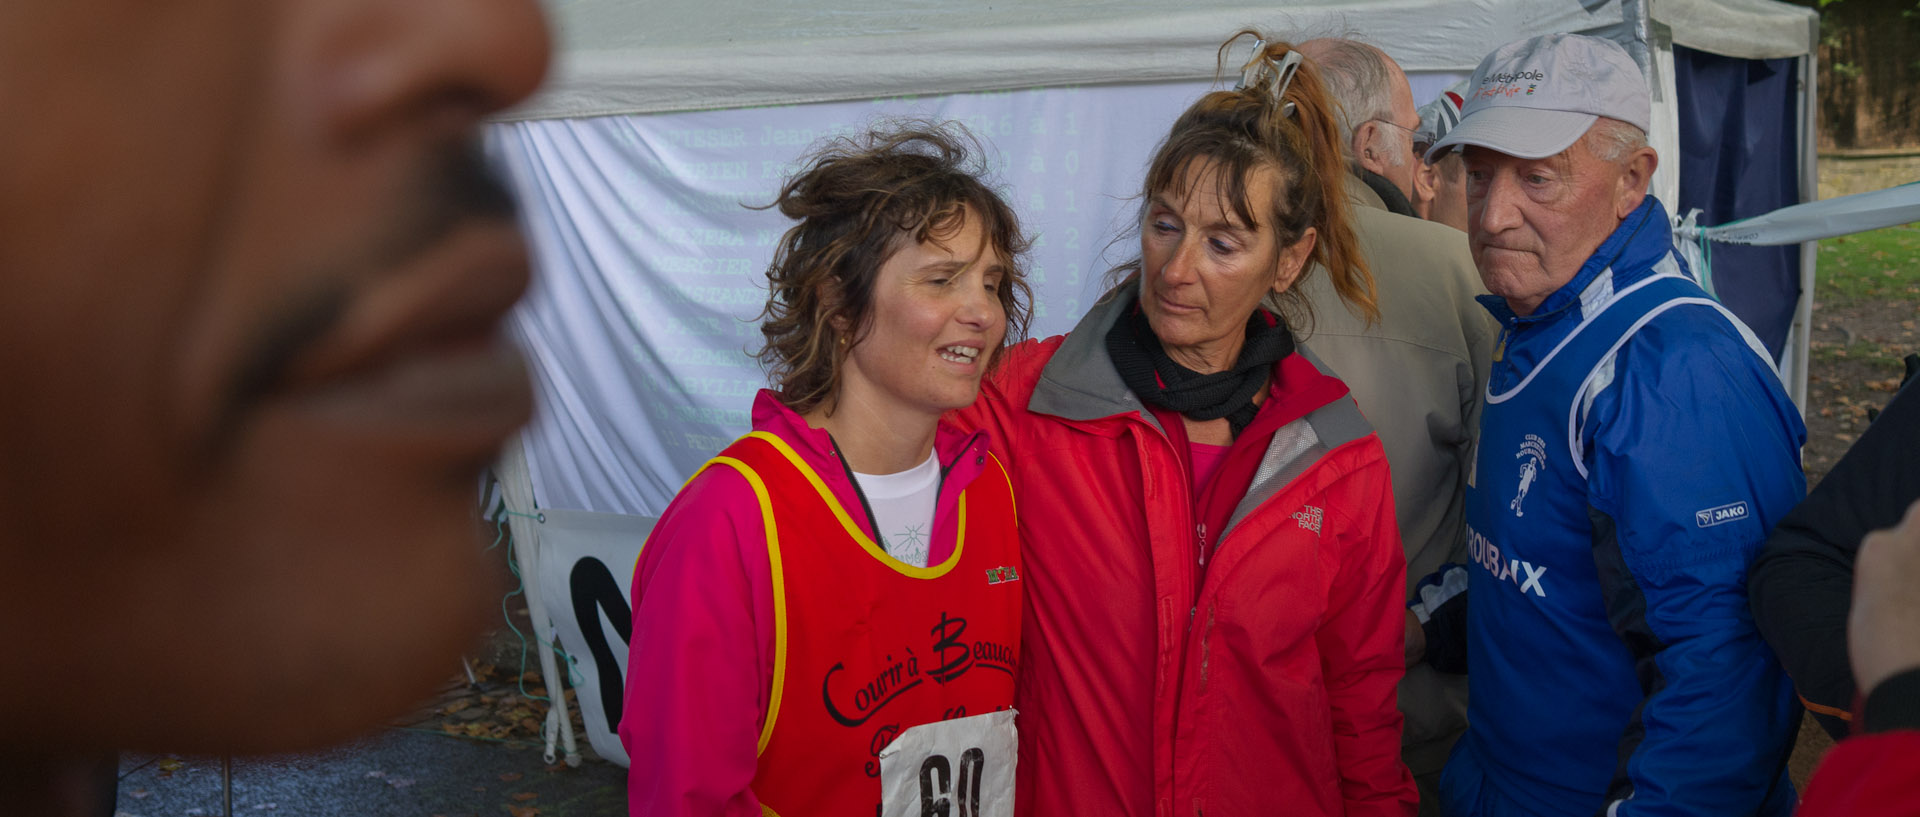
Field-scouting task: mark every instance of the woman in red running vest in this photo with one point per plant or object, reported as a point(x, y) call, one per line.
point(826, 619)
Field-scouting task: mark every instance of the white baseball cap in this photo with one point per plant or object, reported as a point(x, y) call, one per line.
point(1535, 97)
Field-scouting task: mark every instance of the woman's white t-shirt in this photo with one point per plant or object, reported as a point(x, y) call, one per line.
point(902, 506)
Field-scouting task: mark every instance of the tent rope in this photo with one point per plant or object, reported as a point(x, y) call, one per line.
point(503, 534)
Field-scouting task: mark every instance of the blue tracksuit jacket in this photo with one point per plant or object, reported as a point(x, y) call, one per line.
point(1635, 448)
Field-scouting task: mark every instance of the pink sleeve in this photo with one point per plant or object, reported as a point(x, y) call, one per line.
point(1363, 649)
point(700, 660)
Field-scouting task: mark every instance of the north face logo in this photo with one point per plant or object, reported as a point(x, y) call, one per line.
point(1308, 517)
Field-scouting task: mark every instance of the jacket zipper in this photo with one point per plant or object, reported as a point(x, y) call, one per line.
point(873, 522)
point(1200, 529)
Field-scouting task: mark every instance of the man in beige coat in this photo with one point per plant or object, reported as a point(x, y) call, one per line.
point(1418, 374)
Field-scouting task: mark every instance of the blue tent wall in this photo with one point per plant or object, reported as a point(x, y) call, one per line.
point(1740, 158)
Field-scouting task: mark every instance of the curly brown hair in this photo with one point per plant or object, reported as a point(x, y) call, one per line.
point(1235, 133)
point(859, 200)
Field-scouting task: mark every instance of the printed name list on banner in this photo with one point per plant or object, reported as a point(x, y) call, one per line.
point(650, 264)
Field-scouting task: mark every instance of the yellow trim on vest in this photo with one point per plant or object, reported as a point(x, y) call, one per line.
point(767, 811)
point(1013, 502)
point(779, 593)
point(853, 529)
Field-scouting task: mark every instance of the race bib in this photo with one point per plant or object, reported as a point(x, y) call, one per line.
point(953, 768)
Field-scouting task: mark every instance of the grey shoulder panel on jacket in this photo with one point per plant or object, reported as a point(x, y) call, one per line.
point(1080, 383)
point(1296, 447)
point(1339, 422)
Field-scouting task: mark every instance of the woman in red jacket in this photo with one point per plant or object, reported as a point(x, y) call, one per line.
point(1213, 574)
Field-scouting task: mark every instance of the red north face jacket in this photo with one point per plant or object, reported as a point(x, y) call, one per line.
point(1151, 684)
point(1864, 776)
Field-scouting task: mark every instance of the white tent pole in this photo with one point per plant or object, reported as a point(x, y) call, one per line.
point(516, 489)
point(1800, 338)
point(1664, 134)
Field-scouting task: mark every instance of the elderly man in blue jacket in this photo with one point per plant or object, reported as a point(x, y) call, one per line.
point(1635, 448)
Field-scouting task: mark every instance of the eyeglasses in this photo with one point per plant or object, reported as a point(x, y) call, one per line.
point(1422, 141)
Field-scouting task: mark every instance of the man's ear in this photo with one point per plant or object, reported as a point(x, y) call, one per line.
point(1636, 173)
point(1424, 181)
point(1367, 148)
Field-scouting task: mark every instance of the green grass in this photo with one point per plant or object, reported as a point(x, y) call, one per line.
point(1877, 354)
point(1877, 265)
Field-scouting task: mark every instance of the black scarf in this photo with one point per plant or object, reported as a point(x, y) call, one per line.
point(1158, 381)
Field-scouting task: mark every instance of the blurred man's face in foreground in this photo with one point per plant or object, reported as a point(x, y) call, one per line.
point(254, 275)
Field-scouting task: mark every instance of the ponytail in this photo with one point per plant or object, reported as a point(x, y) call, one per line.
point(1311, 133)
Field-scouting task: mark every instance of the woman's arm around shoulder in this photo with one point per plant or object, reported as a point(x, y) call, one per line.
point(1004, 392)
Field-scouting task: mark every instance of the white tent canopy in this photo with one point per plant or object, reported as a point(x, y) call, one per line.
point(1748, 29)
point(622, 57)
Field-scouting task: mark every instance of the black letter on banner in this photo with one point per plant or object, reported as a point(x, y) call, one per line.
point(594, 589)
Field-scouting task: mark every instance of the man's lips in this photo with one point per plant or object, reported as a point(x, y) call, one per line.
point(419, 352)
point(458, 291)
point(469, 395)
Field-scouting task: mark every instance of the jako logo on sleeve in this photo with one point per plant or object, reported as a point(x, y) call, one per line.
point(1725, 513)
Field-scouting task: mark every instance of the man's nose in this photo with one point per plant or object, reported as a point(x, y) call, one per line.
point(1498, 207)
point(379, 62)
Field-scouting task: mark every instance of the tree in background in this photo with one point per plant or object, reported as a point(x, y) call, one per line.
point(1869, 73)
